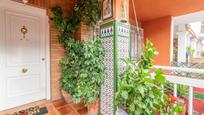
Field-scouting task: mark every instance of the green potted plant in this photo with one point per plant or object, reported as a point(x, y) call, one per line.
point(190, 50)
point(82, 68)
point(83, 71)
point(182, 91)
point(138, 93)
point(182, 95)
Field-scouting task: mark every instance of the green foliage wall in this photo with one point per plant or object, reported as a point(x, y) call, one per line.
point(83, 68)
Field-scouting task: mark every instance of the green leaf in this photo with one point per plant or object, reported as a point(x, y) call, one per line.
point(124, 94)
point(132, 107)
point(160, 78)
point(141, 90)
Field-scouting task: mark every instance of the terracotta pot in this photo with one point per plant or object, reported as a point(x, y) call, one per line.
point(93, 109)
point(67, 97)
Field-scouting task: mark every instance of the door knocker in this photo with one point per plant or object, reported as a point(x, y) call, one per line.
point(24, 31)
point(24, 70)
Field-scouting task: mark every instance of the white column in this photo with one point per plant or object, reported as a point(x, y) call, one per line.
point(182, 43)
point(175, 90)
point(190, 99)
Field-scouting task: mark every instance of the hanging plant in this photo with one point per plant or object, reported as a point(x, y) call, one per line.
point(82, 68)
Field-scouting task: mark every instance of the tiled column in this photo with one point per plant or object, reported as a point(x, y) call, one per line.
point(115, 35)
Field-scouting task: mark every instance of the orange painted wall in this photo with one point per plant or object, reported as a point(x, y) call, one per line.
point(153, 9)
point(159, 32)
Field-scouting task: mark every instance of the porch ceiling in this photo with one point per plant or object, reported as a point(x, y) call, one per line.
point(152, 9)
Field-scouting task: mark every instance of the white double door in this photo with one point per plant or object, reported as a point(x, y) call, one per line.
point(22, 55)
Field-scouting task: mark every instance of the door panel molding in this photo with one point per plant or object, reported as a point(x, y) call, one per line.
point(10, 71)
point(16, 21)
point(2, 43)
point(34, 85)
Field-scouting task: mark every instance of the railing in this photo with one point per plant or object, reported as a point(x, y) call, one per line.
point(184, 81)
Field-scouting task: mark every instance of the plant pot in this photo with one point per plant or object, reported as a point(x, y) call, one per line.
point(67, 97)
point(93, 109)
point(84, 32)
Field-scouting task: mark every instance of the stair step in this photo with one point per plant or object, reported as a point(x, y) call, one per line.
point(83, 111)
point(65, 109)
point(64, 106)
point(59, 103)
point(77, 106)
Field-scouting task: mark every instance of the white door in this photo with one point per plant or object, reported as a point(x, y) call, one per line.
point(23, 57)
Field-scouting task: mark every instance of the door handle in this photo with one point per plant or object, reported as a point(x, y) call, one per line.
point(24, 70)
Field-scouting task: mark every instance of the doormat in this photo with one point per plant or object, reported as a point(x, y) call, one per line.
point(31, 111)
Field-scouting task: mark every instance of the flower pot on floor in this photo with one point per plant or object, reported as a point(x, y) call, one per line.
point(67, 97)
point(93, 109)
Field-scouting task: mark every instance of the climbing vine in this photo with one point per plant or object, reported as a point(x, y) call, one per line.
point(83, 68)
point(86, 11)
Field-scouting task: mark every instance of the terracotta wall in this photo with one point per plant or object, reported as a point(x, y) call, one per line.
point(57, 50)
point(159, 32)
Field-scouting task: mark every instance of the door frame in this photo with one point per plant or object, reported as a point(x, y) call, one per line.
point(8, 4)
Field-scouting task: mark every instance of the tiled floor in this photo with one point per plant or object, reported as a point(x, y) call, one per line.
point(60, 107)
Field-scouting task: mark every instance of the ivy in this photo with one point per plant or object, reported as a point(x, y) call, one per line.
point(138, 93)
point(86, 11)
point(83, 68)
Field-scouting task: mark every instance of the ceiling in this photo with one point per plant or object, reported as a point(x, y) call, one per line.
point(152, 9)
